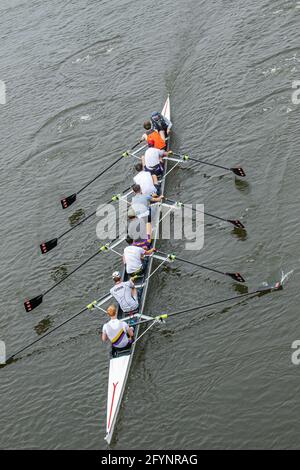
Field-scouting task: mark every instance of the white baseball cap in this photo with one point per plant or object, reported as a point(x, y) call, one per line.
point(116, 274)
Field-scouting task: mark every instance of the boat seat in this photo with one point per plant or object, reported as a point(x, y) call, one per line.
point(118, 352)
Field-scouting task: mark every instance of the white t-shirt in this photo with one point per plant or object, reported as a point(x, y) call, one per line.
point(132, 256)
point(152, 157)
point(123, 295)
point(116, 332)
point(144, 179)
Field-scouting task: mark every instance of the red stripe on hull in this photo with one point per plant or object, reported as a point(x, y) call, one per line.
point(112, 404)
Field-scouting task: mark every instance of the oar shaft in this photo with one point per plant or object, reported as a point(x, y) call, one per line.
point(194, 264)
point(76, 269)
point(87, 217)
point(46, 334)
point(198, 210)
point(236, 297)
point(76, 225)
point(53, 329)
point(100, 174)
point(200, 307)
point(199, 265)
point(138, 143)
point(72, 272)
point(203, 162)
point(210, 164)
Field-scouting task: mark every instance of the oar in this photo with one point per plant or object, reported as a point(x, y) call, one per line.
point(68, 200)
point(235, 222)
point(236, 170)
point(265, 289)
point(50, 244)
point(88, 307)
point(236, 276)
point(164, 316)
point(31, 304)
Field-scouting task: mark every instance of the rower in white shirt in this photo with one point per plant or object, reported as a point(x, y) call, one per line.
point(153, 160)
point(134, 258)
point(118, 332)
point(125, 293)
point(145, 180)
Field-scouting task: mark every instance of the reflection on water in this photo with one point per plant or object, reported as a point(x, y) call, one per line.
point(240, 288)
point(240, 233)
point(43, 325)
point(242, 185)
point(58, 272)
point(76, 216)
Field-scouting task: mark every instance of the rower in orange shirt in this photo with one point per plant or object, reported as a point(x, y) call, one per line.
point(152, 134)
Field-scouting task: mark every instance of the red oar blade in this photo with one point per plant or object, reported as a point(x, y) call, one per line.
point(48, 246)
point(236, 223)
point(67, 201)
point(236, 276)
point(31, 304)
point(238, 171)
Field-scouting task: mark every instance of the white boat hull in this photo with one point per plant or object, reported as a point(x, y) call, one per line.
point(119, 367)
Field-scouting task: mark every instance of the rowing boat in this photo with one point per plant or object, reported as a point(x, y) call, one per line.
point(120, 361)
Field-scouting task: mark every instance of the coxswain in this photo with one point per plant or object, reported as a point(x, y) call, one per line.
point(153, 134)
point(161, 124)
point(118, 332)
point(134, 258)
point(125, 293)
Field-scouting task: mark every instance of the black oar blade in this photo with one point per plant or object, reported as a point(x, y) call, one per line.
point(236, 223)
point(67, 201)
point(31, 304)
point(48, 246)
point(236, 276)
point(238, 171)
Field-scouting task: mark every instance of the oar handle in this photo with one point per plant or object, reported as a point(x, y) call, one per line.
point(199, 265)
point(138, 143)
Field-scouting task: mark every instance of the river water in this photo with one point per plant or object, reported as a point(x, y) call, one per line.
point(81, 77)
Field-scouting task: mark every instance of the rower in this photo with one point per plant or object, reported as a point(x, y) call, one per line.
point(153, 160)
point(153, 134)
point(161, 124)
point(116, 331)
point(134, 258)
point(125, 293)
point(141, 202)
point(145, 180)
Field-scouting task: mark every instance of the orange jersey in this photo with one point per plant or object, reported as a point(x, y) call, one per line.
point(159, 142)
